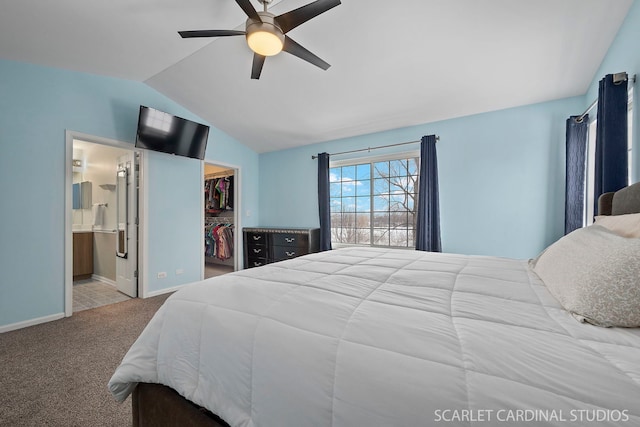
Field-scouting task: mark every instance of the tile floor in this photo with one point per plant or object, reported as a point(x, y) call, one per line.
point(92, 293)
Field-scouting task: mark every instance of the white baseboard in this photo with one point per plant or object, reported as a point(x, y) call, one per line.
point(163, 291)
point(104, 280)
point(31, 322)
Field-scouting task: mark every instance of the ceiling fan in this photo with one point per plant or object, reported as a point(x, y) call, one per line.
point(266, 33)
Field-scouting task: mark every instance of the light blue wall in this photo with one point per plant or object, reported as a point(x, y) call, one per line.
point(173, 219)
point(37, 105)
point(501, 178)
point(624, 55)
point(501, 173)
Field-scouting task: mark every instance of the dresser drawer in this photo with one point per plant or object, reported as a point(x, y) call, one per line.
point(258, 251)
point(287, 252)
point(256, 239)
point(291, 239)
point(256, 262)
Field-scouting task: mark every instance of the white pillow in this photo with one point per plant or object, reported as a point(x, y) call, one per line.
point(595, 274)
point(627, 225)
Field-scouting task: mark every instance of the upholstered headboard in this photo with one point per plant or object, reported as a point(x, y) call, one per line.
point(624, 201)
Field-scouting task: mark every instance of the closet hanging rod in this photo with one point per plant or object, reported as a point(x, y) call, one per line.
point(374, 148)
point(219, 174)
point(594, 103)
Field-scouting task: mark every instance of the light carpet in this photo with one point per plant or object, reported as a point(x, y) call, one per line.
point(56, 374)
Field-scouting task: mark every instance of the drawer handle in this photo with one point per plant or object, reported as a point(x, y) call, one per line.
point(290, 253)
point(257, 251)
point(290, 239)
point(257, 237)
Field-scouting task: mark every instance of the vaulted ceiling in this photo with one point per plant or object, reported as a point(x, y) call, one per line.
point(394, 63)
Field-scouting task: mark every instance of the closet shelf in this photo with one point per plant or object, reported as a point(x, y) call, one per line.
point(110, 187)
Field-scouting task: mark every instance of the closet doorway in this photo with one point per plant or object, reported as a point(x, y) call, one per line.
point(220, 220)
point(101, 249)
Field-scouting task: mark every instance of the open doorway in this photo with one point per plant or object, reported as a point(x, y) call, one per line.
point(220, 219)
point(101, 253)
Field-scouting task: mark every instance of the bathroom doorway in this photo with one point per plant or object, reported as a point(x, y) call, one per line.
point(102, 217)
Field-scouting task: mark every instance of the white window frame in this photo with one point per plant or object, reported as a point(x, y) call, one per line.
point(591, 155)
point(370, 160)
point(591, 170)
point(630, 130)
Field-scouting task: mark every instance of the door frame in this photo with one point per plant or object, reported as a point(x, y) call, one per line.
point(70, 135)
point(237, 183)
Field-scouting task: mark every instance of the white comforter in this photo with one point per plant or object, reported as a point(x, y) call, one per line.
point(376, 337)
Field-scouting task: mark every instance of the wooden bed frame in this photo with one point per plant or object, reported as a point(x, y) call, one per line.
point(156, 405)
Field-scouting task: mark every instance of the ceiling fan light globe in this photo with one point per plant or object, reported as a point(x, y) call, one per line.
point(265, 43)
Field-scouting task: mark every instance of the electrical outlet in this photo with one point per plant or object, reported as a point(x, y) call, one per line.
point(162, 275)
point(179, 271)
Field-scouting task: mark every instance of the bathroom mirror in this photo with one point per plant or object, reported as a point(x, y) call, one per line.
point(121, 211)
point(82, 196)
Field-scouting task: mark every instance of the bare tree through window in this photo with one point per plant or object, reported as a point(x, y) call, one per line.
point(374, 203)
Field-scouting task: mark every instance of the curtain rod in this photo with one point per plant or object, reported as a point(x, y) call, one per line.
point(594, 103)
point(373, 148)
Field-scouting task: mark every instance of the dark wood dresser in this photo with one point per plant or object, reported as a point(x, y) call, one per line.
point(264, 245)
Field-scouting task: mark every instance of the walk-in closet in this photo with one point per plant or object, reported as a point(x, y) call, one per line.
point(219, 220)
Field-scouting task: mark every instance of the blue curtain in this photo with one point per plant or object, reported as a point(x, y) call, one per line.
point(323, 202)
point(611, 167)
point(575, 172)
point(428, 217)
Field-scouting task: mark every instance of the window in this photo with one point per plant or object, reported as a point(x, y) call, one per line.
point(373, 200)
point(591, 171)
point(591, 156)
point(630, 122)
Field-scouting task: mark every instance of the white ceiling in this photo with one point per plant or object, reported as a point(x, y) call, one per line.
point(394, 63)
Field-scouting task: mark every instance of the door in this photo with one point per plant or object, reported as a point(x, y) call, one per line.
point(126, 223)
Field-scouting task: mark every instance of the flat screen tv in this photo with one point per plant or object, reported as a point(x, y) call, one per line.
point(160, 131)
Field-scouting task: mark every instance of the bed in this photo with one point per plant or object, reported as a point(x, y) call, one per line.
point(384, 337)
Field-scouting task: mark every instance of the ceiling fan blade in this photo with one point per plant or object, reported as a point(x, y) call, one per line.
point(248, 9)
point(288, 21)
point(256, 69)
point(294, 48)
point(210, 33)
